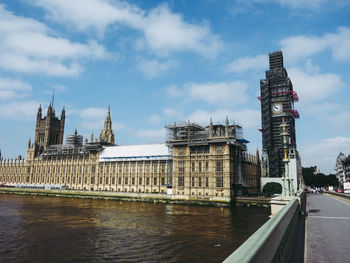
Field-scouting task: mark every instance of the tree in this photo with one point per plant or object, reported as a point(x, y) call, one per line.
point(272, 188)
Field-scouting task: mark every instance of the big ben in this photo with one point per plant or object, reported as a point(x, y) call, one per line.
point(277, 101)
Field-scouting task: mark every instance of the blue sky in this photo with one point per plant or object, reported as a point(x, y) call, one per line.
point(156, 62)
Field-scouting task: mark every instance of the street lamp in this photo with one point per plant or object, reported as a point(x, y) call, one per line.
point(287, 190)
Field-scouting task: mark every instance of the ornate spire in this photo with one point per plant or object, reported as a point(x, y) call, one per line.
point(63, 114)
point(211, 128)
point(106, 135)
point(92, 136)
point(226, 127)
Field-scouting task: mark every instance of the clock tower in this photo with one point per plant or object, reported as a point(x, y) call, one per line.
point(277, 102)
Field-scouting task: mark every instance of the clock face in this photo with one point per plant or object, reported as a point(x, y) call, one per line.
point(277, 108)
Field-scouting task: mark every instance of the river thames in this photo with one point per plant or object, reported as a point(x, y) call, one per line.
point(49, 229)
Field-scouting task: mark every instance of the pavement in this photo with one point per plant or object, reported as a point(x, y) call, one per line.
point(327, 229)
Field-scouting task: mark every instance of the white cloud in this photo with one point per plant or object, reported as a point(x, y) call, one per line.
point(174, 91)
point(258, 62)
point(153, 68)
point(216, 93)
point(323, 153)
point(163, 31)
point(231, 93)
point(24, 110)
point(93, 113)
point(10, 88)
point(247, 118)
point(154, 119)
point(314, 86)
point(152, 135)
point(29, 46)
point(170, 112)
point(297, 48)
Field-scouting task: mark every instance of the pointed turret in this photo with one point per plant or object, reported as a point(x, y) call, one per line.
point(106, 135)
point(63, 114)
point(39, 114)
point(211, 128)
point(92, 137)
point(226, 127)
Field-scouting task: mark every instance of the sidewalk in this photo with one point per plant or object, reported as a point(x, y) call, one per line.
point(327, 229)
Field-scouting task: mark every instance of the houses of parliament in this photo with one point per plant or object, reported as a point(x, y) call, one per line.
point(195, 162)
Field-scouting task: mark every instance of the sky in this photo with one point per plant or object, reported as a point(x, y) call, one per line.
point(157, 62)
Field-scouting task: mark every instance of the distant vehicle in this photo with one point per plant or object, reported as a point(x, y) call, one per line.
point(346, 188)
point(330, 188)
point(340, 190)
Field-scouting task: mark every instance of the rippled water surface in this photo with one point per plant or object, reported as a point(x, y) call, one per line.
point(48, 229)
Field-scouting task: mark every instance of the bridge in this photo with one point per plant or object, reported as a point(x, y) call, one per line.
point(309, 228)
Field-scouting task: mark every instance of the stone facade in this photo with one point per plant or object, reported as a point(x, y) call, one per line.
point(211, 161)
point(216, 166)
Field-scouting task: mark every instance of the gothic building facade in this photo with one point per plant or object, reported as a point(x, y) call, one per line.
point(215, 166)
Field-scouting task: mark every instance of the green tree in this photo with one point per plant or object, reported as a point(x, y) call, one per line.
point(272, 188)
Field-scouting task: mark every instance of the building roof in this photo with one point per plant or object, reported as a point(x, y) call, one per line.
point(135, 153)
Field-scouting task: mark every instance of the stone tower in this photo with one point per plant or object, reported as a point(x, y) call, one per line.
point(107, 135)
point(277, 102)
point(49, 129)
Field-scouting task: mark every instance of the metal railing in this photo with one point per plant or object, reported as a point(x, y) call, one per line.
point(273, 241)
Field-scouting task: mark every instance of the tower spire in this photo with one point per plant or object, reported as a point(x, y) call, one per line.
point(226, 127)
point(53, 97)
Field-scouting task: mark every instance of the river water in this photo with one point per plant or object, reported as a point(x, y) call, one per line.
point(49, 229)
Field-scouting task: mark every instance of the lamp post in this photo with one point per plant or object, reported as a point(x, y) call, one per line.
point(287, 190)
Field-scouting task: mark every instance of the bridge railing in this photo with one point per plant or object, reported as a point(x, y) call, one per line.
point(273, 241)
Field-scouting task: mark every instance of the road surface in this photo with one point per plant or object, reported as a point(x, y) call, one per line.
point(327, 229)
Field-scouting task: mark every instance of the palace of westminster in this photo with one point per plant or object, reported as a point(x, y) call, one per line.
point(195, 162)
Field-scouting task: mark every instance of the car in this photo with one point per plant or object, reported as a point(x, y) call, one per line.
point(340, 191)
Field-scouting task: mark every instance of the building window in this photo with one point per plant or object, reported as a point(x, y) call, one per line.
point(93, 169)
point(180, 181)
point(218, 166)
point(182, 150)
point(100, 180)
point(126, 180)
point(120, 168)
point(133, 165)
point(206, 181)
point(107, 180)
point(163, 167)
point(163, 181)
point(113, 179)
point(79, 179)
point(147, 168)
point(193, 181)
point(219, 181)
point(140, 181)
point(155, 180)
point(127, 168)
point(200, 181)
point(181, 167)
point(140, 168)
point(219, 148)
point(119, 180)
point(92, 179)
point(147, 181)
point(155, 168)
point(206, 166)
point(200, 166)
point(193, 166)
point(85, 180)
point(133, 180)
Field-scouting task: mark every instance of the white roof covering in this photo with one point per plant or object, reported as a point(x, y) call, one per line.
point(135, 153)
